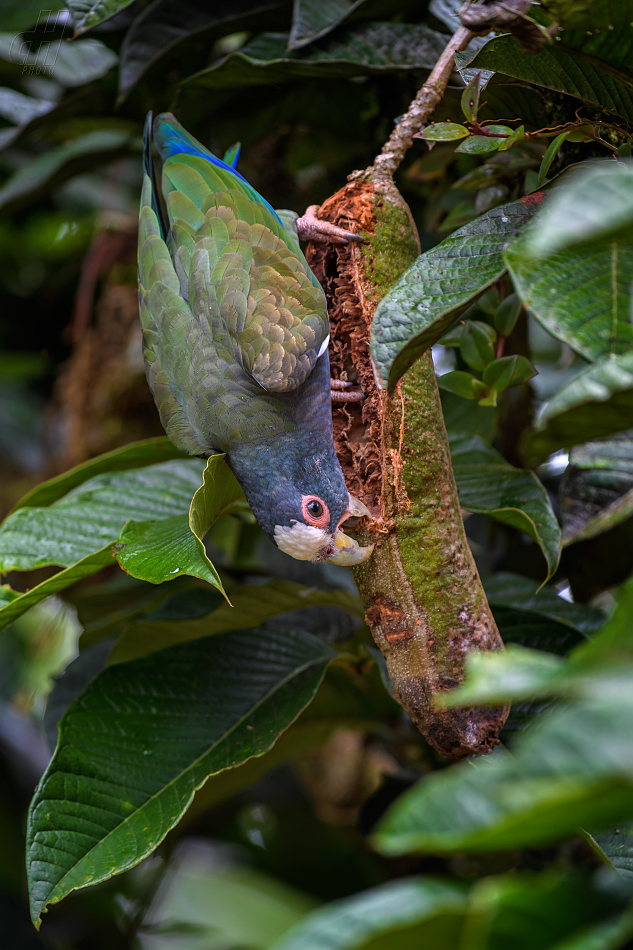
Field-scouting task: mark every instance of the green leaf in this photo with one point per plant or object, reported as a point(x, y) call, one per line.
point(419, 912)
point(561, 69)
point(52, 168)
point(581, 296)
point(479, 145)
point(595, 204)
point(515, 674)
point(442, 132)
point(311, 21)
point(617, 848)
point(498, 374)
point(487, 484)
point(596, 403)
point(145, 735)
point(517, 136)
point(92, 515)
point(209, 904)
point(18, 15)
point(375, 49)
point(134, 455)
point(508, 371)
point(476, 344)
point(470, 98)
point(596, 492)
point(251, 605)
point(573, 768)
point(488, 303)
point(533, 911)
point(504, 589)
point(71, 64)
point(507, 314)
point(438, 287)
point(600, 667)
point(158, 551)
point(167, 29)
point(13, 607)
point(458, 382)
point(88, 13)
point(610, 934)
point(548, 158)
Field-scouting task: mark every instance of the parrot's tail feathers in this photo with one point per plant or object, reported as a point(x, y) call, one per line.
point(232, 154)
point(172, 140)
point(148, 167)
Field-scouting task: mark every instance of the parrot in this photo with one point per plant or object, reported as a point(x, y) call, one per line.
point(235, 339)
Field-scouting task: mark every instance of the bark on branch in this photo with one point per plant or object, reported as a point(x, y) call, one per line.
point(423, 598)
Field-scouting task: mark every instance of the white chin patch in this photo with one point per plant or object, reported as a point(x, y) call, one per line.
point(301, 541)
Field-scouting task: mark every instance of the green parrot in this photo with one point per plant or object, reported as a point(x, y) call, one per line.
point(235, 335)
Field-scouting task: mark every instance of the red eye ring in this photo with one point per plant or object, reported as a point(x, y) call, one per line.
point(315, 511)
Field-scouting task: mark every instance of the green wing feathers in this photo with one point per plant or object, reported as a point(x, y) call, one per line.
point(227, 291)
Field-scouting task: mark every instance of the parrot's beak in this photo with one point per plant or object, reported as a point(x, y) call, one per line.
point(348, 551)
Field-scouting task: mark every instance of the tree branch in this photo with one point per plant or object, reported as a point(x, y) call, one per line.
point(394, 149)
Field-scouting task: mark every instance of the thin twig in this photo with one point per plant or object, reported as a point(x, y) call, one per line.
point(394, 149)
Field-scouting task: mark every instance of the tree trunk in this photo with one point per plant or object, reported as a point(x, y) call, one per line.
point(423, 598)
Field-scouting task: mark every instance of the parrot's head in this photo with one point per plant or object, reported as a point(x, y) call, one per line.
point(301, 504)
point(312, 531)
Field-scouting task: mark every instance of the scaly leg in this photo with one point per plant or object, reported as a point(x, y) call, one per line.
point(337, 396)
point(311, 228)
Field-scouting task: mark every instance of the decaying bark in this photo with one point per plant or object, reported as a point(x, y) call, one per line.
point(423, 598)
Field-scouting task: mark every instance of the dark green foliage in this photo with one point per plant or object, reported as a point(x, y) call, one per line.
point(220, 713)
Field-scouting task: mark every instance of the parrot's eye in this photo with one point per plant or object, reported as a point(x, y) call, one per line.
point(315, 511)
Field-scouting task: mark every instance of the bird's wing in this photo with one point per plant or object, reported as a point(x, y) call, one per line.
point(260, 288)
point(186, 351)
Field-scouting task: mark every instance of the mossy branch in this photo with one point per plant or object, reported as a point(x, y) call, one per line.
point(423, 598)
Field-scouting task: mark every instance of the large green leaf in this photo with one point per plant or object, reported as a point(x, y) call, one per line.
point(52, 168)
point(71, 64)
point(596, 492)
point(376, 48)
point(13, 604)
point(134, 455)
point(88, 13)
point(610, 934)
point(512, 590)
point(421, 912)
point(208, 905)
point(564, 70)
point(617, 848)
point(573, 768)
point(596, 403)
point(526, 911)
point(158, 551)
point(17, 15)
point(600, 664)
point(93, 514)
point(145, 735)
point(311, 21)
point(596, 203)
point(167, 28)
point(438, 287)
point(251, 605)
point(582, 296)
point(487, 484)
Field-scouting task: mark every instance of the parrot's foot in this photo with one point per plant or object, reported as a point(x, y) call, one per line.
point(311, 228)
point(337, 396)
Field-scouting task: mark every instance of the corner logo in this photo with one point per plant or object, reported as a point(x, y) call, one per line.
point(42, 62)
